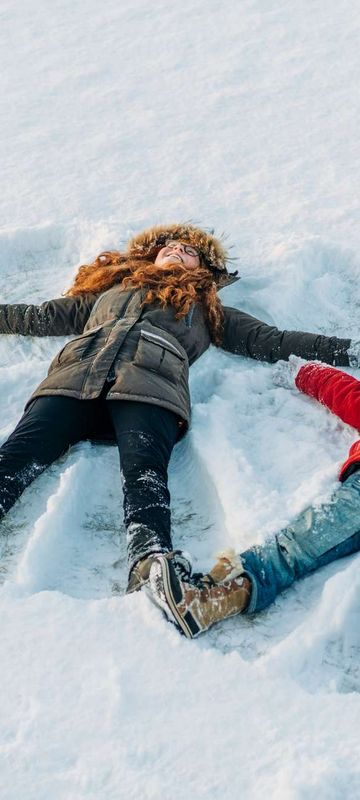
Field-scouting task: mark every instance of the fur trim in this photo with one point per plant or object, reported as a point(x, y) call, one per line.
point(234, 561)
point(211, 249)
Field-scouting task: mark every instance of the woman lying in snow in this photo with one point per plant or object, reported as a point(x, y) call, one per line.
point(141, 317)
point(251, 581)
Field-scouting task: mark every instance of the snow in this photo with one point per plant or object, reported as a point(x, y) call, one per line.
point(243, 117)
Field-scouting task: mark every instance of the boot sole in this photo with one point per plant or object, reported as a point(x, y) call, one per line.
point(187, 624)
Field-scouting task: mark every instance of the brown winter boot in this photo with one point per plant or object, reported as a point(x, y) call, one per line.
point(194, 604)
point(139, 574)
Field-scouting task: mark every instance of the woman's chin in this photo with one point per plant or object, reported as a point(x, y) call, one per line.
point(168, 262)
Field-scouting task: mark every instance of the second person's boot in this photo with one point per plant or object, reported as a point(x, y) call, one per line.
point(195, 604)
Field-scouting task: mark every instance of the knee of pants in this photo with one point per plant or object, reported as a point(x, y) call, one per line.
point(143, 449)
point(139, 457)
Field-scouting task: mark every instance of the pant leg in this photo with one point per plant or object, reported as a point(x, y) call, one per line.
point(145, 435)
point(45, 431)
point(317, 537)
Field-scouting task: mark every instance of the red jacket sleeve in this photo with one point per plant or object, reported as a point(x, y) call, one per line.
point(335, 389)
point(340, 393)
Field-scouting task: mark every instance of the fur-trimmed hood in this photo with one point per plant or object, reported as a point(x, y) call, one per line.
point(212, 250)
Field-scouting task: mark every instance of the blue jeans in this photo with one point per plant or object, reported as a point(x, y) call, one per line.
point(316, 537)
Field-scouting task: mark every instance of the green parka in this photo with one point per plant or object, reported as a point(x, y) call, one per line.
point(145, 352)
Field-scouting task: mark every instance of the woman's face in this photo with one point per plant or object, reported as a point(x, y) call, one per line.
point(177, 251)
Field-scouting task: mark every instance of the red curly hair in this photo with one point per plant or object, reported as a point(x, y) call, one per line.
point(175, 284)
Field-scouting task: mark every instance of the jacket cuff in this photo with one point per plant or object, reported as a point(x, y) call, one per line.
point(354, 353)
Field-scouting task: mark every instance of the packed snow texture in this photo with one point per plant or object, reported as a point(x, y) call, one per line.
point(243, 117)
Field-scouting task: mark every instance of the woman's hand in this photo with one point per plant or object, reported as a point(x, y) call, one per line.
point(285, 372)
point(354, 353)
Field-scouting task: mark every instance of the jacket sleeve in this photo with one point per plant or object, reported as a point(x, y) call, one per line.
point(60, 317)
point(248, 336)
point(336, 390)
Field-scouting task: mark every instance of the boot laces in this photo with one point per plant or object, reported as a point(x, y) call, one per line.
point(181, 565)
point(202, 581)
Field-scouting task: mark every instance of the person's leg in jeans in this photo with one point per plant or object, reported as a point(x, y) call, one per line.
point(145, 435)
point(317, 537)
point(46, 430)
point(251, 581)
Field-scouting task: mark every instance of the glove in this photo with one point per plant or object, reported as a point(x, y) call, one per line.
point(285, 372)
point(354, 353)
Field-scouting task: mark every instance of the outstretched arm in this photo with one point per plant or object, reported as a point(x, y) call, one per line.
point(248, 336)
point(336, 390)
point(60, 317)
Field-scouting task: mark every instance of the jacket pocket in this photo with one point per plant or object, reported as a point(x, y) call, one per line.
point(75, 349)
point(157, 354)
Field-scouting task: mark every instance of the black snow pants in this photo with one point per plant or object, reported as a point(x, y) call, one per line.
point(145, 435)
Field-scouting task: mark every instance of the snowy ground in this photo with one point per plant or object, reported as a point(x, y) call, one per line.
point(244, 116)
